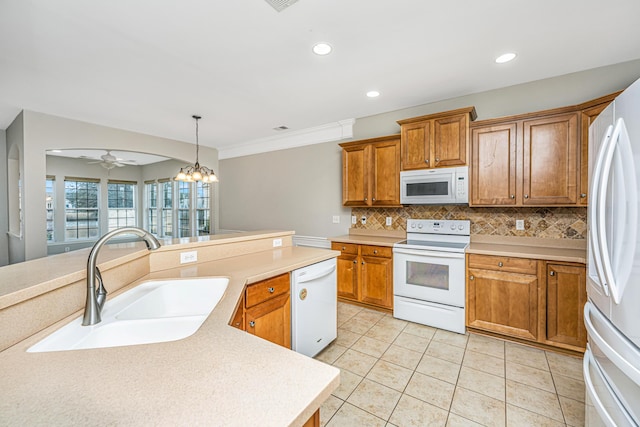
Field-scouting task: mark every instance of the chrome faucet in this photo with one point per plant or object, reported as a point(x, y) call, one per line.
point(96, 297)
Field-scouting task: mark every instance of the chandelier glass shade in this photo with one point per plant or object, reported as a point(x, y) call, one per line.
point(196, 172)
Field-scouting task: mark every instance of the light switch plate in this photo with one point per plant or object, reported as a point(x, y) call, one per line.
point(277, 243)
point(389, 221)
point(353, 219)
point(519, 224)
point(336, 219)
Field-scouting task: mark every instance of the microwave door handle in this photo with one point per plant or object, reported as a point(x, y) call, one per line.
point(593, 208)
point(605, 254)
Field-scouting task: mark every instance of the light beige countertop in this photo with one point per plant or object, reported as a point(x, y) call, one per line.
point(218, 376)
point(566, 250)
point(371, 237)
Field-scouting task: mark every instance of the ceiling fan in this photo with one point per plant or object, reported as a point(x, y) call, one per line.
point(109, 161)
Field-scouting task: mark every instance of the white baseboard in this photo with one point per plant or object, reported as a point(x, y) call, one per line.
point(315, 242)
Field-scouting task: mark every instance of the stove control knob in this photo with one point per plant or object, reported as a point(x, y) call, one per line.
point(461, 227)
point(413, 225)
point(420, 226)
point(453, 226)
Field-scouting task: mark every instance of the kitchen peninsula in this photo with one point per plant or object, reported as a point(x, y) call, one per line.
point(218, 376)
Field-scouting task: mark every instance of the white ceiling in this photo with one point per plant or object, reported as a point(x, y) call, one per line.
point(147, 66)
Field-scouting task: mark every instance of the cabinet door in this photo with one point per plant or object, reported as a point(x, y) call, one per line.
point(271, 320)
point(347, 264)
point(416, 145)
point(355, 176)
point(386, 174)
point(550, 160)
point(502, 302)
point(586, 118)
point(377, 279)
point(566, 297)
point(493, 165)
point(450, 141)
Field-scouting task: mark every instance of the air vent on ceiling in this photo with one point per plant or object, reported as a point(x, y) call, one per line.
point(278, 128)
point(280, 5)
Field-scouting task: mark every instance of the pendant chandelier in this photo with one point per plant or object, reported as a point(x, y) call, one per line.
point(196, 172)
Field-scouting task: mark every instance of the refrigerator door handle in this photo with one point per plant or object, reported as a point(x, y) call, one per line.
point(593, 207)
point(612, 354)
point(620, 140)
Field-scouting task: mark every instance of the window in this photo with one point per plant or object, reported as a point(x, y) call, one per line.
point(121, 203)
point(49, 204)
point(152, 206)
point(81, 208)
point(203, 212)
point(184, 205)
point(167, 209)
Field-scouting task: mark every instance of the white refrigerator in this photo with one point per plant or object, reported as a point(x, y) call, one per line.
point(612, 313)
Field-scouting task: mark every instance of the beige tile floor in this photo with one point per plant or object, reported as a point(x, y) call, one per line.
point(397, 373)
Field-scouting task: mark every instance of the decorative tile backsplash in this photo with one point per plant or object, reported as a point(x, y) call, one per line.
point(551, 223)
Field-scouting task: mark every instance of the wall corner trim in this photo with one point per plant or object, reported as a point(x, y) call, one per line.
point(342, 129)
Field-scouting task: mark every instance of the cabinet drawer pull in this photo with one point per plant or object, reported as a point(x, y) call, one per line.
point(552, 273)
point(500, 264)
point(471, 277)
point(512, 196)
point(271, 290)
point(252, 323)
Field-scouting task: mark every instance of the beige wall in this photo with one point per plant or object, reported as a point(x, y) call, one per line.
point(300, 188)
point(4, 224)
point(42, 132)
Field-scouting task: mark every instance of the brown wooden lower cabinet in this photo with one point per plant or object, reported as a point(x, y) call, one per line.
point(314, 421)
point(265, 310)
point(365, 274)
point(533, 300)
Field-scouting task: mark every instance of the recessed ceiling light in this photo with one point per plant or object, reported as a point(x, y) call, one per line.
point(322, 49)
point(373, 94)
point(505, 57)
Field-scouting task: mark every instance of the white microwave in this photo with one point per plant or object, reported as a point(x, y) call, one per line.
point(441, 186)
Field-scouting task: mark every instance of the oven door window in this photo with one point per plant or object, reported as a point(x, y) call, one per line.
point(440, 188)
point(427, 275)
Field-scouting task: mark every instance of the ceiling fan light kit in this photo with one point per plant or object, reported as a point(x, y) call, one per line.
point(196, 172)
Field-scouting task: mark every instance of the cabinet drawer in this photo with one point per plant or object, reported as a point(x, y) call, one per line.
point(381, 251)
point(345, 248)
point(516, 265)
point(267, 289)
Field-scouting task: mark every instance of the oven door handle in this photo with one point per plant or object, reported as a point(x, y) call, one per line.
point(428, 253)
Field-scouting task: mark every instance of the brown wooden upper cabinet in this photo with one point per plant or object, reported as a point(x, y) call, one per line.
point(536, 159)
point(436, 140)
point(371, 172)
point(529, 161)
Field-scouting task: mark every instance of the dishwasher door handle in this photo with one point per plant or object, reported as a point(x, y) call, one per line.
point(326, 272)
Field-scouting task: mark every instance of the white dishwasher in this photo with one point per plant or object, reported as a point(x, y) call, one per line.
point(314, 307)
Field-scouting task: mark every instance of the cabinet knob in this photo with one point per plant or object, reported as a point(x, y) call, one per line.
point(427, 161)
point(271, 290)
point(500, 264)
point(374, 199)
point(583, 195)
point(343, 248)
point(252, 323)
point(471, 277)
point(513, 196)
point(526, 196)
point(355, 262)
point(362, 262)
point(437, 159)
point(365, 199)
point(552, 273)
point(375, 251)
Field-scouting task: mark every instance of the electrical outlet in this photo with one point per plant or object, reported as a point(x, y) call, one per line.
point(336, 219)
point(519, 224)
point(277, 243)
point(354, 219)
point(389, 221)
point(363, 220)
point(186, 257)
